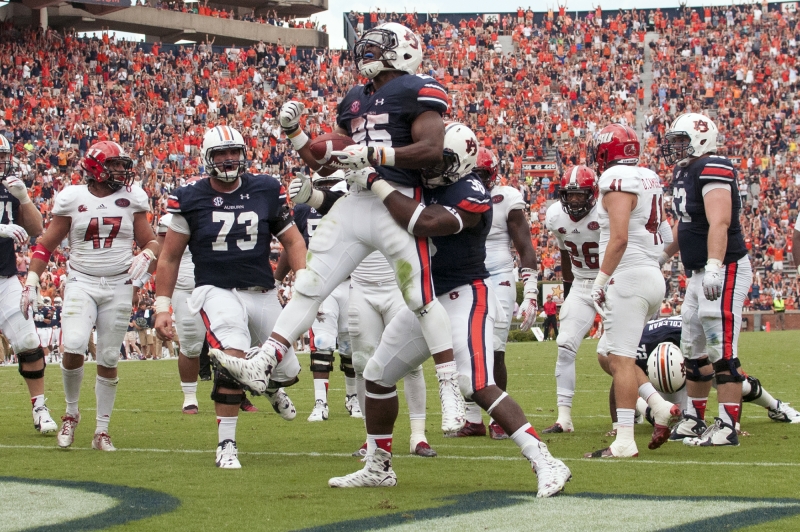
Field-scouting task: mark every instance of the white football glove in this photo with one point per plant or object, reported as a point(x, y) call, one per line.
point(599, 299)
point(16, 187)
point(300, 188)
point(289, 116)
point(15, 232)
point(140, 265)
point(712, 280)
point(30, 295)
point(364, 177)
point(529, 307)
point(354, 157)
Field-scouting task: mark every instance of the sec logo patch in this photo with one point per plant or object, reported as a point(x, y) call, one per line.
point(354, 107)
point(218, 201)
point(122, 202)
point(498, 198)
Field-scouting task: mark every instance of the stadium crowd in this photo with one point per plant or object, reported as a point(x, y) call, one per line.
point(564, 79)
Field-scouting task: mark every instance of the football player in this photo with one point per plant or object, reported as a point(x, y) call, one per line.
point(629, 287)
point(43, 319)
point(574, 224)
point(709, 237)
point(101, 219)
point(396, 122)
point(374, 300)
point(20, 218)
point(228, 222)
point(458, 218)
point(329, 329)
point(56, 346)
point(508, 226)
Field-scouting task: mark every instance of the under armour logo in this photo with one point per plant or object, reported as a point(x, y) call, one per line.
point(379, 102)
point(245, 196)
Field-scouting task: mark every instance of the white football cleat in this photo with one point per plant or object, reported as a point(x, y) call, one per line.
point(717, 435)
point(377, 473)
point(615, 450)
point(66, 435)
point(784, 413)
point(253, 371)
point(282, 404)
point(320, 412)
point(42, 421)
point(102, 442)
point(352, 406)
point(454, 412)
point(228, 455)
point(552, 474)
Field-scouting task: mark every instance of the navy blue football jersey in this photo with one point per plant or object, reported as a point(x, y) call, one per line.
point(9, 214)
point(384, 117)
point(461, 258)
point(39, 317)
point(307, 219)
point(231, 232)
point(656, 332)
point(693, 226)
point(55, 319)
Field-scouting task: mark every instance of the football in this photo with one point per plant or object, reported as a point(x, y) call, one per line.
point(665, 368)
point(322, 146)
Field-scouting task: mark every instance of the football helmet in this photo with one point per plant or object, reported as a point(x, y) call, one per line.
point(224, 138)
point(458, 158)
point(46, 301)
point(327, 182)
point(98, 161)
point(57, 302)
point(579, 191)
point(614, 144)
point(400, 49)
point(666, 368)
point(486, 166)
point(690, 136)
point(6, 157)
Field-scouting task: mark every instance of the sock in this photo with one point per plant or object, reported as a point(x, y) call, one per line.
point(321, 390)
point(37, 401)
point(105, 391)
point(564, 414)
point(226, 428)
point(565, 376)
point(350, 386)
point(417, 430)
point(72, 388)
point(379, 441)
point(729, 413)
point(474, 414)
point(625, 417)
point(528, 441)
point(697, 407)
point(414, 389)
point(446, 368)
point(361, 390)
point(765, 400)
point(646, 390)
point(189, 393)
point(280, 349)
point(641, 406)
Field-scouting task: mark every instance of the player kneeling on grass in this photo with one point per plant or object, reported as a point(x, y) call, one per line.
point(457, 218)
point(228, 222)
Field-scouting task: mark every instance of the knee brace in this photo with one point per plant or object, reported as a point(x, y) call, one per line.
point(693, 370)
point(31, 356)
point(755, 390)
point(346, 365)
point(322, 361)
point(732, 365)
point(223, 380)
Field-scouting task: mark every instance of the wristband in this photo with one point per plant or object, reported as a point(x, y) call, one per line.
point(139, 283)
point(298, 139)
point(149, 252)
point(714, 263)
point(40, 252)
point(530, 280)
point(454, 212)
point(316, 199)
point(414, 217)
point(163, 303)
point(383, 156)
point(601, 279)
point(381, 189)
point(666, 232)
point(32, 279)
point(25, 200)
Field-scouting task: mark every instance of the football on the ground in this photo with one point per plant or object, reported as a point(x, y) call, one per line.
point(666, 368)
point(322, 146)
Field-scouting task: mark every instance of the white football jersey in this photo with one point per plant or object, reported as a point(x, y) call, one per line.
point(375, 269)
point(186, 269)
point(498, 244)
point(644, 242)
point(580, 239)
point(101, 232)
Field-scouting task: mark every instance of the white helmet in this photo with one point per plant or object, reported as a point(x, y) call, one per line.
point(702, 139)
point(7, 163)
point(459, 157)
point(328, 180)
point(58, 301)
point(665, 368)
point(46, 301)
point(401, 49)
point(223, 138)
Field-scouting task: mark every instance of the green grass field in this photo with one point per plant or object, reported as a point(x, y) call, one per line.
point(163, 475)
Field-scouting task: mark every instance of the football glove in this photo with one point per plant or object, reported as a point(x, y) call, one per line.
point(356, 157)
point(30, 295)
point(289, 116)
point(712, 280)
point(364, 177)
point(599, 299)
point(15, 232)
point(140, 264)
point(528, 309)
point(300, 188)
point(16, 187)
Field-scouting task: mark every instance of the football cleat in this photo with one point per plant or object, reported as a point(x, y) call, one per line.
point(688, 427)
point(66, 435)
point(251, 372)
point(205, 377)
point(247, 406)
point(784, 413)
point(558, 428)
point(42, 421)
point(496, 432)
point(190, 409)
point(423, 449)
point(648, 415)
point(552, 473)
point(469, 429)
point(665, 417)
point(361, 452)
point(612, 433)
point(453, 408)
point(228, 455)
point(716, 435)
point(615, 450)
point(102, 442)
point(282, 404)
point(320, 412)
point(352, 406)
point(377, 473)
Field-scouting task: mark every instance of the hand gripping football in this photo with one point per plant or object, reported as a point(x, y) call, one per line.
point(322, 146)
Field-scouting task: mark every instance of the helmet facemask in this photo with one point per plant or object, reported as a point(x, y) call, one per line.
point(229, 169)
point(116, 178)
point(677, 148)
point(6, 164)
point(572, 203)
point(445, 173)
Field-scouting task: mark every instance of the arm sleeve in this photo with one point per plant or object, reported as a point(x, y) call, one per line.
point(180, 225)
point(163, 224)
point(282, 221)
point(330, 198)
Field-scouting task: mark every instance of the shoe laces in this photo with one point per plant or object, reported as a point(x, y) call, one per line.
point(104, 439)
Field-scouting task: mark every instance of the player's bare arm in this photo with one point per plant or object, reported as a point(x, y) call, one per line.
point(566, 267)
point(520, 233)
point(30, 219)
point(718, 209)
point(294, 248)
point(56, 232)
point(169, 261)
point(433, 220)
point(796, 248)
point(619, 206)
